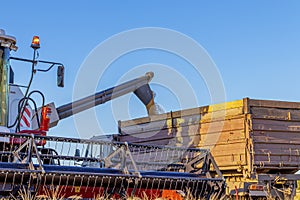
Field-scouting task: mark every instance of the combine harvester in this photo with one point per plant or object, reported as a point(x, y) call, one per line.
point(35, 164)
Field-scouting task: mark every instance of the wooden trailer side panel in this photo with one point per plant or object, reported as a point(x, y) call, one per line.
point(220, 128)
point(276, 135)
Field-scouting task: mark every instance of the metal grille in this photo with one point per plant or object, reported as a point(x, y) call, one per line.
point(106, 168)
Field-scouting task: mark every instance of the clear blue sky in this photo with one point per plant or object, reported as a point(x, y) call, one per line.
point(255, 45)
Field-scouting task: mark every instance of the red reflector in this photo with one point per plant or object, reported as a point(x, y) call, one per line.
point(45, 120)
point(256, 187)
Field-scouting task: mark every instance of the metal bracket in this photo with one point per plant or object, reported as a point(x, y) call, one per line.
point(31, 148)
point(207, 160)
point(124, 153)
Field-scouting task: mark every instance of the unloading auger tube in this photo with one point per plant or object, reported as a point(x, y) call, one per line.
point(140, 87)
point(89, 168)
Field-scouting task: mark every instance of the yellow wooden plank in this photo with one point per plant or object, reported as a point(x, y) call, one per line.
point(225, 106)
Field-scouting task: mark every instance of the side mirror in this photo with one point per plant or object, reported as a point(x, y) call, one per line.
point(60, 76)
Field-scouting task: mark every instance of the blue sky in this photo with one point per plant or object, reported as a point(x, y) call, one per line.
point(254, 44)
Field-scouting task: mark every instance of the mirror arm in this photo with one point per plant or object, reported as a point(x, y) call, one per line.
point(47, 62)
point(45, 70)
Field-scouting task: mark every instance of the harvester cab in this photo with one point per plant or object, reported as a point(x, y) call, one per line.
point(18, 108)
point(20, 113)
